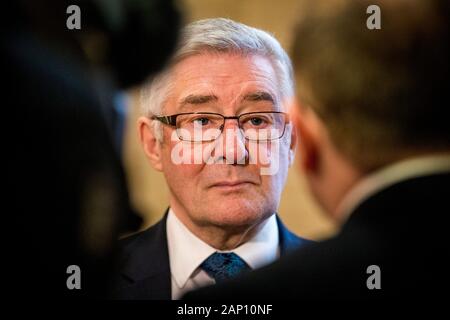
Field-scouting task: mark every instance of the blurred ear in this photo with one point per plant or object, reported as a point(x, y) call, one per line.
point(150, 144)
point(293, 146)
point(292, 130)
point(308, 138)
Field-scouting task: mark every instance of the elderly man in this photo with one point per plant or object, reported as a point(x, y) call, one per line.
point(216, 125)
point(375, 148)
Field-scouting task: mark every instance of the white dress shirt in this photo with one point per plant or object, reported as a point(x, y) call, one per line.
point(187, 252)
point(390, 175)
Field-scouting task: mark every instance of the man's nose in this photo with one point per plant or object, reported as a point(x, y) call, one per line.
point(235, 151)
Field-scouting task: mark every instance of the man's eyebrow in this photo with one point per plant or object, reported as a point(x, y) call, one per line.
point(197, 99)
point(259, 96)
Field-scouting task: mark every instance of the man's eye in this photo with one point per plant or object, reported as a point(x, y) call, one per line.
point(256, 121)
point(201, 121)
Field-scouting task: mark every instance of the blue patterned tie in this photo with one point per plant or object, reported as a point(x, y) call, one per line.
point(223, 266)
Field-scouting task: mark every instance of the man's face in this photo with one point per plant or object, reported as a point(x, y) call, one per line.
point(230, 190)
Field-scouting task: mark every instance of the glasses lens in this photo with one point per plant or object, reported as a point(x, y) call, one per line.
point(263, 126)
point(199, 127)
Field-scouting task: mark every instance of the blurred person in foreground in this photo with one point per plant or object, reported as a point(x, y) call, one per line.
point(374, 144)
point(222, 97)
point(66, 194)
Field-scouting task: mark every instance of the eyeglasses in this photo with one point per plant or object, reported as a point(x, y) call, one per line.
point(208, 126)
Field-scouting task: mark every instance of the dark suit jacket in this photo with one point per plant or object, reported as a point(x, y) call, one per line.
point(400, 229)
point(145, 268)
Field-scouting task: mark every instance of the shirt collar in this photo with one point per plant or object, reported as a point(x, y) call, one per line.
point(263, 247)
point(390, 175)
point(187, 251)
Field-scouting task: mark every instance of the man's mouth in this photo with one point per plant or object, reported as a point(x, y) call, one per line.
point(232, 185)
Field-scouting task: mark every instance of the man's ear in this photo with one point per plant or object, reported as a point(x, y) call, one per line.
point(293, 146)
point(150, 144)
point(293, 133)
point(307, 136)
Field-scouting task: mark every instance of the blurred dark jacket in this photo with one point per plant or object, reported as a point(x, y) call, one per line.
point(66, 199)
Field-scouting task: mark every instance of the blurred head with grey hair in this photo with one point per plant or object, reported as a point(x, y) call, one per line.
point(231, 83)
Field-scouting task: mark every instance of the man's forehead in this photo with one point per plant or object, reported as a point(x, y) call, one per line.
point(243, 82)
point(223, 69)
point(246, 98)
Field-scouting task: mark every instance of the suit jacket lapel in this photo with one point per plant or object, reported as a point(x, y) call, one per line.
point(148, 265)
point(288, 240)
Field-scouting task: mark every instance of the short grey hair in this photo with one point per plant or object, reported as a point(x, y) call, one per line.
point(217, 35)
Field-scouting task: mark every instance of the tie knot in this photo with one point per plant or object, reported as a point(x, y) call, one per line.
point(222, 266)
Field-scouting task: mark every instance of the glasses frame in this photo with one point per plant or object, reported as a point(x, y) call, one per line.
point(171, 120)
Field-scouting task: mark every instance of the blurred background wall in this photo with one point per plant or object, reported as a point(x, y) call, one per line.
point(148, 190)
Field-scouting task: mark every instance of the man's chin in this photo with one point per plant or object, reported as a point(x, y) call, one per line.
point(237, 218)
